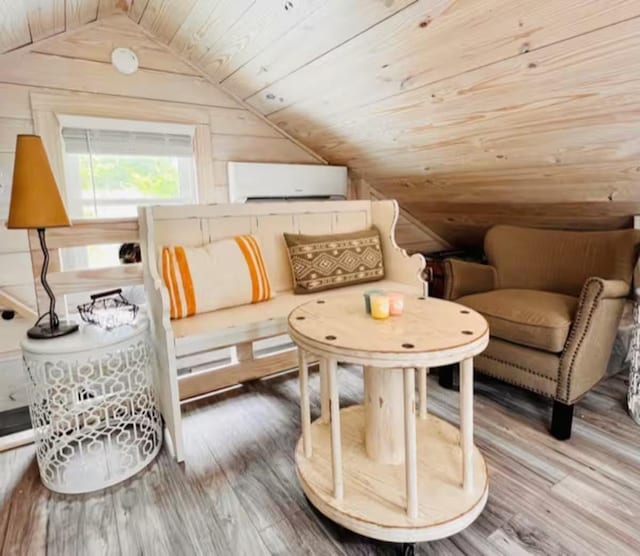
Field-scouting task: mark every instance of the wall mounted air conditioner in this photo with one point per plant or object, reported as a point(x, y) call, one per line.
point(252, 181)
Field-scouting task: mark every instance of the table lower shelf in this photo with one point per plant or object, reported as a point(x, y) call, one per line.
point(374, 502)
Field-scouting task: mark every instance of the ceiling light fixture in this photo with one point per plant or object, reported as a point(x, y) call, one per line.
point(124, 60)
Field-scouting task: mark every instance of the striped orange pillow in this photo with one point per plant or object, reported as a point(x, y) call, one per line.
point(220, 274)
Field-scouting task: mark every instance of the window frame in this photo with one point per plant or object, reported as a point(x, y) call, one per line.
point(47, 106)
point(78, 257)
point(186, 168)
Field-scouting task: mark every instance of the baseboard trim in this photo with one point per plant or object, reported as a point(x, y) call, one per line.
point(17, 439)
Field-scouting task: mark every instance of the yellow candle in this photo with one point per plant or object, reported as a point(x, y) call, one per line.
point(379, 306)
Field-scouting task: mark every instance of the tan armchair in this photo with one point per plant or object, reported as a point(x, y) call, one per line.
point(553, 300)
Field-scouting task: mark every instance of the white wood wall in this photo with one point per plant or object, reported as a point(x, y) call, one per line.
point(78, 62)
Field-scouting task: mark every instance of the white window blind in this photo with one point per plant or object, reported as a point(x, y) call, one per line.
point(120, 142)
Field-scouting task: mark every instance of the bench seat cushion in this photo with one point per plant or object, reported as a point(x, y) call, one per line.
point(245, 323)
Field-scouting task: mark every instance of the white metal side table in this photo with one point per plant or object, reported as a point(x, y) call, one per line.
point(93, 407)
point(375, 468)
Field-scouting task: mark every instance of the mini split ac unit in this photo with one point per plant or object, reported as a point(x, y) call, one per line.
point(250, 181)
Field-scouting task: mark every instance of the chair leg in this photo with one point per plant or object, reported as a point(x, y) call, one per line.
point(561, 420)
point(446, 377)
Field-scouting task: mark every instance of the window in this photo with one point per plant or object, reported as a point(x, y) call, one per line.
point(113, 166)
point(110, 171)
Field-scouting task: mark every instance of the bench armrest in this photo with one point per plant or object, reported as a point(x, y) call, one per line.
point(465, 278)
point(165, 371)
point(586, 354)
point(398, 264)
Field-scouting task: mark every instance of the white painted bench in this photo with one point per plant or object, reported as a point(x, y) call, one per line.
point(178, 343)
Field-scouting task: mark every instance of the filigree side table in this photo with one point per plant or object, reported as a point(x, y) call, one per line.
point(93, 407)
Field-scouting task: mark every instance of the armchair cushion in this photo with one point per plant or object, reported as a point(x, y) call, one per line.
point(537, 319)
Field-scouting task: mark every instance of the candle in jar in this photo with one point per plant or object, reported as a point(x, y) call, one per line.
point(367, 299)
point(379, 306)
point(396, 303)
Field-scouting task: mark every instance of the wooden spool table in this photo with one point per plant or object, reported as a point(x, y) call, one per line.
point(375, 468)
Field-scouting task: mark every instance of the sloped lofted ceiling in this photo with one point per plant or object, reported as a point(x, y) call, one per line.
point(469, 112)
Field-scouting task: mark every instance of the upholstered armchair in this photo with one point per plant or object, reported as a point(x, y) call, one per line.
point(553, 300)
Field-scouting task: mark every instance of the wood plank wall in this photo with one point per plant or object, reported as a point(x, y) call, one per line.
point(411, 234)
point(80, 63)
point(469, 112)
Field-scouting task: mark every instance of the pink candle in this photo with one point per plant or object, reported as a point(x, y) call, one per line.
point(396, 303)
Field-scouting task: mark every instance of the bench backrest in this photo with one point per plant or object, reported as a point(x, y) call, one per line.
point(195, 225)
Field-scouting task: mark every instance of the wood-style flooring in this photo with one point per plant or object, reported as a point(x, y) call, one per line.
point(237, 493)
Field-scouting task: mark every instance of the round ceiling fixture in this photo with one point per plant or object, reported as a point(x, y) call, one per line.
point(124, 60)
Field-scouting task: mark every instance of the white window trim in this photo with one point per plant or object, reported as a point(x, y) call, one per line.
point(118, 124)
point(48, 107)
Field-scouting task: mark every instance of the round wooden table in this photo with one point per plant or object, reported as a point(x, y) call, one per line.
point(375, 468)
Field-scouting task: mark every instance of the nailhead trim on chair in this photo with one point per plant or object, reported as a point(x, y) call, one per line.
point(514, 382)
point(572, 333)
point(516, 366)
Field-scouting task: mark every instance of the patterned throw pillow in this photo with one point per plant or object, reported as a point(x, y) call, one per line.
point(323, 262)
point(220, 274)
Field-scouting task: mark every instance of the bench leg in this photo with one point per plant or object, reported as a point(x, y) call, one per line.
point(244, 352)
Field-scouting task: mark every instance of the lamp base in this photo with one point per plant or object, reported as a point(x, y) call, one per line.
point(45, 332)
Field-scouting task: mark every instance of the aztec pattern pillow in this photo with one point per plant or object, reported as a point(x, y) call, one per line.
point(220, 274)
point(323, 262)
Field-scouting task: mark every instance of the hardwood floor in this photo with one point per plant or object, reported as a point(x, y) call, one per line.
point(238, 492)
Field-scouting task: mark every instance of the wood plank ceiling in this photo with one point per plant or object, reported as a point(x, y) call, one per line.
point(469, 112)
point(23, 22)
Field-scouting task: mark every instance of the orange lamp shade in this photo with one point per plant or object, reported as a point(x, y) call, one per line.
point(35, 198)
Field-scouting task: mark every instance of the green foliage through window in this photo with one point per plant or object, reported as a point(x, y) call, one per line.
point(130, 176)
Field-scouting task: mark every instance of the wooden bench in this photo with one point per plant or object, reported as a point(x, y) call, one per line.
point(178, 343)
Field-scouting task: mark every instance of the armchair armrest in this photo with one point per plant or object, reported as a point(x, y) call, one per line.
point(586, 354)
point(611, 289)
point(465, 278)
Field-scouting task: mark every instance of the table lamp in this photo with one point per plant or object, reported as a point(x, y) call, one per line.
point(36, 204)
